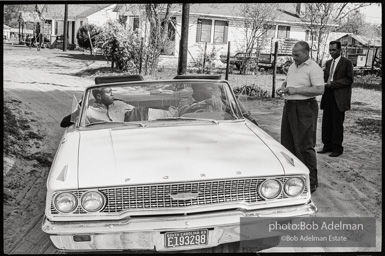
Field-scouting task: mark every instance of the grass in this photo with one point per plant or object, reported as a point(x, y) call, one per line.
point(368, 97)
point(368, 82)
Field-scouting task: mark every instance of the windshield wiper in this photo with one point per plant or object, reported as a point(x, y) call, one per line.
point(185, 119)
point(122, 123)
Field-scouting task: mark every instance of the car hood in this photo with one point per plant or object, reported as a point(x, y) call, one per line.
point(126, 156)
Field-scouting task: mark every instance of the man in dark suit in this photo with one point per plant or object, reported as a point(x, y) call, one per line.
point(338, 76)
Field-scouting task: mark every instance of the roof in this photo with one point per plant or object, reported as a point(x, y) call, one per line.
point(234, 10)
point(6, 27)
point(374, 41)
point(75, 11)
point(286, 12)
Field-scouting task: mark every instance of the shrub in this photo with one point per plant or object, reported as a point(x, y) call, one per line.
point(252, 91)
point(210, 56)
point(121, 46)
point(83, 38)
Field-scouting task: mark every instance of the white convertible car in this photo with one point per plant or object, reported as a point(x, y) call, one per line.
point(166, 165)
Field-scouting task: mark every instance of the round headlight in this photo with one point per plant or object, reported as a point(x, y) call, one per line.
point(65, 202)
point(294, 186)
point(92, 201)
point(270, 189)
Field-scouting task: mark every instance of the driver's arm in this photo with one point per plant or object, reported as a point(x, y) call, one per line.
point(184, 106)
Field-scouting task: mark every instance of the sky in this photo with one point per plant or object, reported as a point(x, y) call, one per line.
point(373, 14)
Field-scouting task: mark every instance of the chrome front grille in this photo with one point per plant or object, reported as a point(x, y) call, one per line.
point(157, 196)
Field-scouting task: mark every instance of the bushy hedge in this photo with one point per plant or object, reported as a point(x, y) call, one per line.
point(120, 45)
point(83, 38)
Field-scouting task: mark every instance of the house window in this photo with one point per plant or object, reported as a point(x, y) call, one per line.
point(269, 31)
point(56, 26)
point(134, 23)
point(283, 32)
point(204, 30)
point(220, 31)
point(81, 23)
point(308, 36)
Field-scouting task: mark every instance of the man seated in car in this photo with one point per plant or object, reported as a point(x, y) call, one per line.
point(205, 98)
point(106, 107)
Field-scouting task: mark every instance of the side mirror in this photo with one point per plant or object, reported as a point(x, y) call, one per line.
point(75, 110)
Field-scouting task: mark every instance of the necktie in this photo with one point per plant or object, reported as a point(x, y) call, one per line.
point(331, 73)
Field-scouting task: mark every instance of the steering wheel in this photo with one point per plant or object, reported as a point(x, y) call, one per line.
point(202, 110)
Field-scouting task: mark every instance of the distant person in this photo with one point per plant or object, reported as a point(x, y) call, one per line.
point(28, 41)
point(336, 99)
point(304, 81)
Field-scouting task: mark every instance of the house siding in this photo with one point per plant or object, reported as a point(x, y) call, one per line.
point(101, 17)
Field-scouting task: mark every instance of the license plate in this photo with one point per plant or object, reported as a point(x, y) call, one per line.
point(186, 238)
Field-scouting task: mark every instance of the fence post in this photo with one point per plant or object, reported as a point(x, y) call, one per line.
point(204, 58)
point(274, 68)
point(374, 59)
point(228, 61)
point(141, 54)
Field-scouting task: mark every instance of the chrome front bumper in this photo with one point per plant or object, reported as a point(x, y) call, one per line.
point(147, 233)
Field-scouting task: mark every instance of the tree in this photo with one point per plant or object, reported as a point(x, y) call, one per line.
point(353, 23)
point(12, 12)
point(323, 18)
point(83, 36)
point(159, 18)
point(155, 28)
point(256, 18)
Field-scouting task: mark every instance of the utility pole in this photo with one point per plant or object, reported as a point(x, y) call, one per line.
point(183, 46)
point(65, 32)
point(274, 68)
point(20, 20)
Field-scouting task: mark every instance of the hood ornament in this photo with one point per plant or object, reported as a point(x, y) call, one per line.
point(184, 195)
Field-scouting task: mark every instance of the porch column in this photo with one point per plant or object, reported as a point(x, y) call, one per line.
point(53, 27)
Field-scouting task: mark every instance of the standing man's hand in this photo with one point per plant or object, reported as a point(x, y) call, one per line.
point(280, 91)
point(290, 90)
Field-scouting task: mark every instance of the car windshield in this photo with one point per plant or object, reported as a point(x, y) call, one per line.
point(151, 102)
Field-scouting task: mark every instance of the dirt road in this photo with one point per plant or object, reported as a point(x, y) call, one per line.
point(39, 86)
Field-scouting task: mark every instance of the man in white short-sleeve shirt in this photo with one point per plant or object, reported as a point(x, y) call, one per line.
point(304, 81)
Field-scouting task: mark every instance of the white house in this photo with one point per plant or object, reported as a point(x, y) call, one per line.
point(12, 34)
point(78, 15)
point(216, 25)
point(6, 32)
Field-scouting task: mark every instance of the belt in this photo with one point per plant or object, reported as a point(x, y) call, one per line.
point(299, 101)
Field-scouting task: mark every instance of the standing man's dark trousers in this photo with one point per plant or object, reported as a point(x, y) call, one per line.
point(299, 127)
point(332, 123)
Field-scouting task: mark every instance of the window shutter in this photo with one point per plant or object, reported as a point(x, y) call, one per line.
point(287, 32)
point(199, 29)
point(225, 37)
